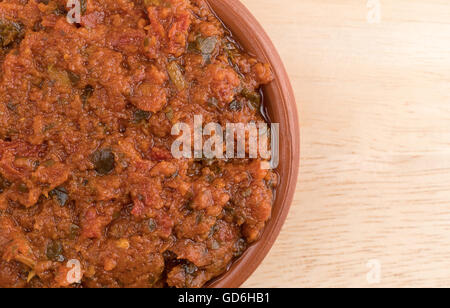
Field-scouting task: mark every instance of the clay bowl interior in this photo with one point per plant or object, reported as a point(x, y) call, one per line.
point(281, 108)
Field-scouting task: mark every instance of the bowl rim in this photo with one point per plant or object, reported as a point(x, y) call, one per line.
point(238, 19)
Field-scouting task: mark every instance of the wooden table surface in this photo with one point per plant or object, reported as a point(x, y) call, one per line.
point(372, 204)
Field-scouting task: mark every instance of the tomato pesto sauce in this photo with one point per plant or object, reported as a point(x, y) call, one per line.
point(86, 170)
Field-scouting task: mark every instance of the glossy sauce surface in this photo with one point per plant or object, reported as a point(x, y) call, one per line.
point(87, 174)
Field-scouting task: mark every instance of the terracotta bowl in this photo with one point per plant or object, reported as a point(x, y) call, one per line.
point(281, 108)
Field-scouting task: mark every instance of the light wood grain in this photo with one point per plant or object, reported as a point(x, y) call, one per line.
point(374, 105)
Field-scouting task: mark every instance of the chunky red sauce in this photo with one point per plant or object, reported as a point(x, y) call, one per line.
point(87, 174)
